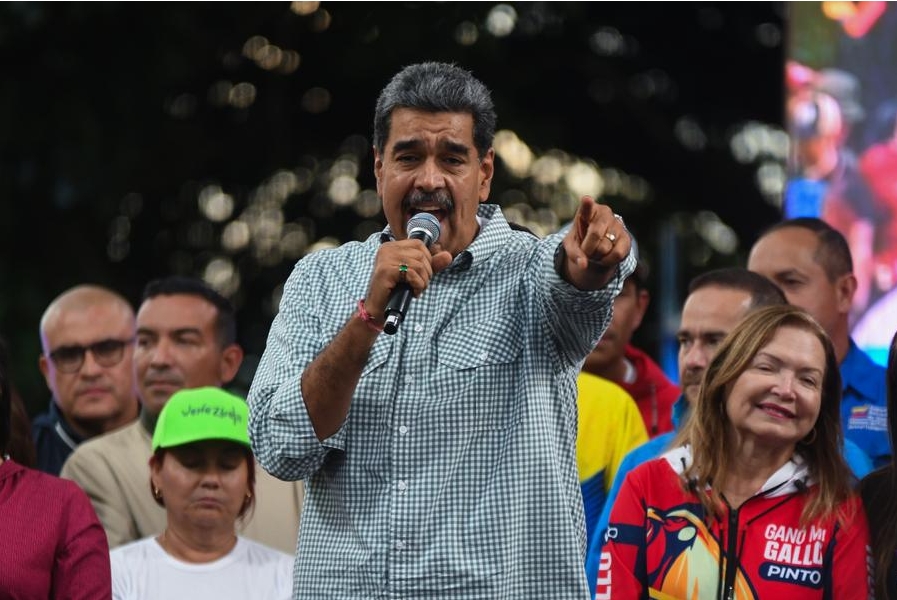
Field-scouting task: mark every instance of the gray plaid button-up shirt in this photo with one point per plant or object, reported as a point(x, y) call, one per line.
point(454, 474)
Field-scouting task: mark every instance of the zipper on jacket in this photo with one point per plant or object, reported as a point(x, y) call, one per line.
point(731, 555)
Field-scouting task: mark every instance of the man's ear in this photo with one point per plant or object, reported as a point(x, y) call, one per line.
point(231, 359)
point(43, 363)
point(487, 170)
point(378, 170)
point(845, 288)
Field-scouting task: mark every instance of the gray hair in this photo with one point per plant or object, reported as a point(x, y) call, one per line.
point(437, 87)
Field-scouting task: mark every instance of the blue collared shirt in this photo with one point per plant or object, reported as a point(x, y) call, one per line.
point(454, 474)
point(864, 405)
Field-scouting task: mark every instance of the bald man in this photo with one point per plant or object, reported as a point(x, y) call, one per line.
point(87, 340)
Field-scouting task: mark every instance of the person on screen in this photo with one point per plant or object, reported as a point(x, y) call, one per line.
point(440, 461)
point(878, 164)
point(826, 181)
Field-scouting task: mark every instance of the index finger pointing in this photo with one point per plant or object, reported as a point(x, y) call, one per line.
point(584, 216)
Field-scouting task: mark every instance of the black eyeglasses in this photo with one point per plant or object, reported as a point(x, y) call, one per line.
point(107, 353)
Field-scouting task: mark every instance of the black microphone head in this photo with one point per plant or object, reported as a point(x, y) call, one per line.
point(425, 227)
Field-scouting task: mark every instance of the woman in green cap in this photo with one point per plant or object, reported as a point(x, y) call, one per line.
point(203, 473)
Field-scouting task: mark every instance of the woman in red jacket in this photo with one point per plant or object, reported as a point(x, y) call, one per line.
point(52, 546)
point(755, 501)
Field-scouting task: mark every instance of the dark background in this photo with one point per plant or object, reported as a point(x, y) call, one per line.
point(116, 116)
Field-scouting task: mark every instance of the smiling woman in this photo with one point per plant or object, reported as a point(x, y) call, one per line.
point(775, 402)
point(203, 473)
point(756, 498)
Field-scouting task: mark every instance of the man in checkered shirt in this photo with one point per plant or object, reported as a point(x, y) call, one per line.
point(439, 461)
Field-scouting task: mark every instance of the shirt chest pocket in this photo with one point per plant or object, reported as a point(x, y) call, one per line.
point(377, 387)
point(477, 375)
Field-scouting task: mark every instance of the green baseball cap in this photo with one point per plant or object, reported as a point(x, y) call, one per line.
point(195, 415)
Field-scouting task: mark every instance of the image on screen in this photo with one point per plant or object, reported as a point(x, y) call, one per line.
point(841, 115)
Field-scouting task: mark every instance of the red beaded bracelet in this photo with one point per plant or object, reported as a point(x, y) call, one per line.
point(365, 316)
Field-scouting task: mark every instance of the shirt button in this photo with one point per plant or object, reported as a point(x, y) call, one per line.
point(484, 355)
point(418, 328)
point(408, 378)
point(402, 486)
point(400, 545)
point(403, 430)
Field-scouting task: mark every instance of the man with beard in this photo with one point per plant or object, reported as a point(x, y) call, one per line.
point(439, 460)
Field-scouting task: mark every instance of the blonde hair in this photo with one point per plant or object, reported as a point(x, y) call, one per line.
point(706, 429)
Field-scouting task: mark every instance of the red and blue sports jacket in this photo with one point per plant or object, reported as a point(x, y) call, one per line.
point(661, 545)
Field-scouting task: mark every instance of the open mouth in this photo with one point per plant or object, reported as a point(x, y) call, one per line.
point(439, 213)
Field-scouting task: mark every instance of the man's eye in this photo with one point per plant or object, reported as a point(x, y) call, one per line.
point(68, 354)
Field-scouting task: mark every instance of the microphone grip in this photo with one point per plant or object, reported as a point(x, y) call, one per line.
point(395, 311)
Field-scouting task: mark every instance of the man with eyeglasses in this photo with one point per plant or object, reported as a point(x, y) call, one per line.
point(87, 337)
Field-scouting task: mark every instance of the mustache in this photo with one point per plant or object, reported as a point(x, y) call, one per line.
point(416, 199)
point(691, 377)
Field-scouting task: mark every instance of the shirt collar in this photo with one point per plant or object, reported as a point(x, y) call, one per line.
point(63, 429)
point(680, 411)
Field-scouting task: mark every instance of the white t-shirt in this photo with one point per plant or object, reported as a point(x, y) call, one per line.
point(142, 570)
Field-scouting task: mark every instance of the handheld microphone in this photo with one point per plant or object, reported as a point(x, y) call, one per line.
point(424, 227)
